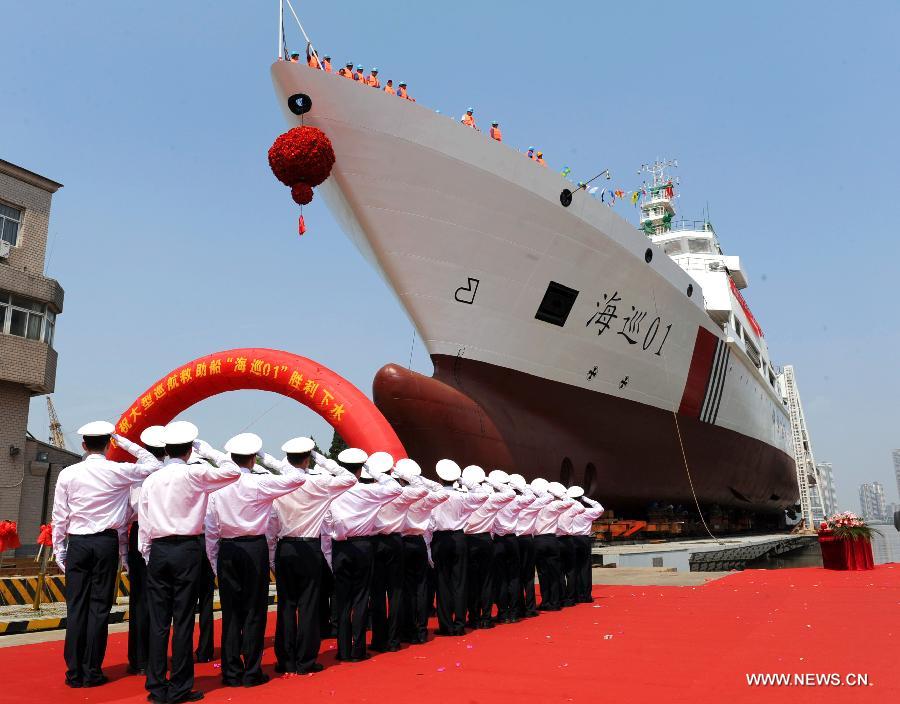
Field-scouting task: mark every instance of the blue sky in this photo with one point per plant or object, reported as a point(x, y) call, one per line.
point(173, 240)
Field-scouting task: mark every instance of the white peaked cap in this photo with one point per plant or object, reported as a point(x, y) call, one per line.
point(352, 455)
point(244, 444)
point(380, 461)
point(180, 432)
point(97, 428)
point(408, 467)
point(575, 491)
point(557, 489)
point(473, 474)
point(517, 481)
point(153, 436)
point(448, 470)
point(498, 476)
point(297, 446)
point(539, 484)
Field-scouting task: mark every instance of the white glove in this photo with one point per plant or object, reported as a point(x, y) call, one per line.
point(333, 467)
point(61, 562)
point(202, 447)
point(401, 474)
point(470, 485)
point(123, 563)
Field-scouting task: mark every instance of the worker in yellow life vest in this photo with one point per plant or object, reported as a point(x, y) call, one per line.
point(401, 92)
point(540, 159)
point(347, 71)
point(359, 76)
point(389, 88)
point(469, 119)
point(495, 131)
point(372, 80)
point(530, 154)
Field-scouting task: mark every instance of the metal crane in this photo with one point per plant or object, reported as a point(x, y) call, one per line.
point(56, 434)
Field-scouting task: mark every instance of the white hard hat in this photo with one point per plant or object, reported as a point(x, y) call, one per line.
point(380, 461)
point(153, 436)
point(539, 484)
point(557, 489)
point(352, 455)
point(498, 476)
point(297, 446)
point(473, 474)
point(575, 491)
point(97, 428)
point(180, 432)
point(448, 470)
point(244, 444)
point(408, 467)
point(517, 481)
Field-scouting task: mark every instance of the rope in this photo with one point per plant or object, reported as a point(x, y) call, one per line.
point(260, 416)
point(412, 344)
point(691, 481)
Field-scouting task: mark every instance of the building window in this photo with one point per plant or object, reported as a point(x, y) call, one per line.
point(23, 317)
point(10, 219)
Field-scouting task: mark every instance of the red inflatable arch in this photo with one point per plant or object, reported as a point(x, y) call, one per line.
point(318, 388)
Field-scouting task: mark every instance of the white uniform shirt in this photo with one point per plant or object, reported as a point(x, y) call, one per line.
point(527, 521)
point(392, 516)
point(93, 495)
point(565, 525)
point(453, 513)
point(419, 519)
point(583, 523)
point(353, 513)
point(548, 518)
point(507, 518)
point(244, 507)
point(482, 519)
point(173, 500)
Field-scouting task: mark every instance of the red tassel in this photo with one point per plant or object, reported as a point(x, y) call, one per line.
point(301, 224)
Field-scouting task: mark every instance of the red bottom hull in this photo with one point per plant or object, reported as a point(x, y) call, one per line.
point(625, 454)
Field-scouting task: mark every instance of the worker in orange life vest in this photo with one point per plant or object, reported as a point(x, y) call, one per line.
point(495, 131)
point(295, 57)
point(326, 63)
point(401, 91)
point(468, 119)
point(347, 71)
point(311, 60)
point(359, 76)
point(389, 88)
point(530, 154)
point(540, 159)
point(372, 80)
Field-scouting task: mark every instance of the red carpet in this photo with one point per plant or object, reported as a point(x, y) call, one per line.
point(634, 644)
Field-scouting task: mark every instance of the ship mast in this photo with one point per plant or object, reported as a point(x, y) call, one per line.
point(657, 209)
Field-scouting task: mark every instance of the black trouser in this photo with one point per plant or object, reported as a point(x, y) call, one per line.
point(414, 606)
point(244, 592)
point(549, 569)
point(583, 544)
point(298, 579)
point(92, 565)
point(567, 574)
point(448, 551)
point(352, 562)
point(387, 591)
point(480, 547)
point(327, 603)
point(526, 601)
point(138, 612)
point(506, 575)
point(172, 595)
point(205, 593)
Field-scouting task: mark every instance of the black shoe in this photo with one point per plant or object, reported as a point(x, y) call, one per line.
point(262, 679)
point(359, 658)
point(441, 632)
point(135, 670)
point(378, 647)
point(281, 669)
point(531, 614)
point(103, 679)
point(201, 658)
point(315, 667)
point(458, 632)
point(194, 696)
point(486, 624)
point(74, 684)
point(155, 699)
point(231, 683)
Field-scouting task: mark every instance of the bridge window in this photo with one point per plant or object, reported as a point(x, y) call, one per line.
point(698, 246)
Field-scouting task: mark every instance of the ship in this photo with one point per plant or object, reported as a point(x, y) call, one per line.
point(567, 343)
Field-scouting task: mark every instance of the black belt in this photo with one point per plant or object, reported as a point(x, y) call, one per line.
point(545, 535)
point(243, 539)
point(176, 538)
point(355, 539)
point(391, 535)
point(294, 539)
point(447, 532)
point(475, 535)
point(108, 531)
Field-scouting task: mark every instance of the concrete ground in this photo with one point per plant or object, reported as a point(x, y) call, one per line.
point(652, 576)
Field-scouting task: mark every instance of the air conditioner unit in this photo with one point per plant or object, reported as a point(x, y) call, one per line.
point(4, 249)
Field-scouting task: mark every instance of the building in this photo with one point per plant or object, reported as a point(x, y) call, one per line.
point(825, 471)
point(889, 511)
point(29, 305)
point(871, 501)
point(896, 455)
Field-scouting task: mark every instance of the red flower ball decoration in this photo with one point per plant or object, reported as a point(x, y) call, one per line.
point(302, 193)
point(45, 537)
point(302, 155)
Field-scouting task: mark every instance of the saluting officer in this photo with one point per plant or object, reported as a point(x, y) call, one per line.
point(507, 573)
point(350, 524)
point(236, 522)
point(206, 589)
point(170, 514)
point(583, 531)
point(138, 612)
point(565, 532)
point(295, 547)
point(546, 544)
point(90, 520)
point(526, 525)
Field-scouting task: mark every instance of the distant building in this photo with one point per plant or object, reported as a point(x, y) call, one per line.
point(826, 485)
point(896, 455)
point(29, 304)
point(889, 511)
point(871, 502)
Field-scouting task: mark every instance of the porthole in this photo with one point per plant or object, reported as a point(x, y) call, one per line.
point(648, 255)
point(690, 291)
point(299, 103)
